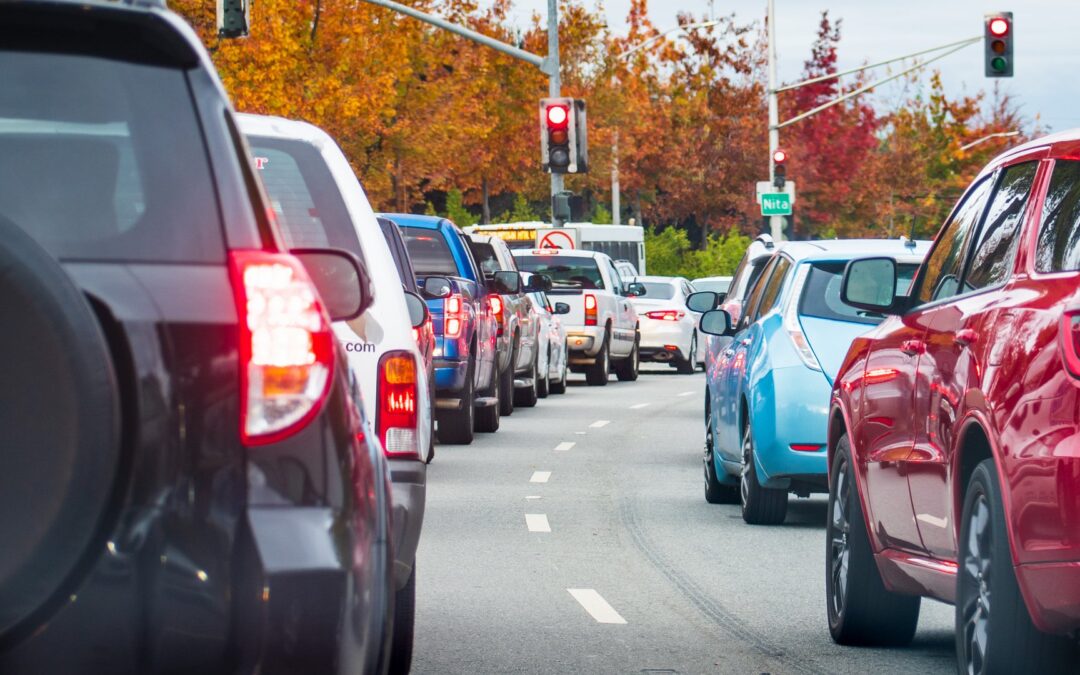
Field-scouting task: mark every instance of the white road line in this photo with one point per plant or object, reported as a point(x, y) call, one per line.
point(540, 477)
point(688, 393)
point(580, 433)
point(599, 424)
point(532, 496)
point(639, 406)
point(564, 446)
point(596, 606)
point(537, 522)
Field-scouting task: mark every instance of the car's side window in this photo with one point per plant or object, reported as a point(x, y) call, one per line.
point(1000, 233)
point(755, 293)
point(940, 276)
point(616, 280)
point(1058, 249)
point(772, 289)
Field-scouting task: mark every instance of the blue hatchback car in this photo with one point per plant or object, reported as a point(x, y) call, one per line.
point(767, 395)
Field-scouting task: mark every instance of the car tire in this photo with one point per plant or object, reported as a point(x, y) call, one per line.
point(688, 365)
point(861, 611)
point(559, 386)
point(401, 648)
point(487, 417)
point(627, 369)
point(506, 386)
point(526, 396)
point(597, 374)
point(715, 491)
point(760, 505)
point(543, 385)
point(456, 426)
point(988, 598)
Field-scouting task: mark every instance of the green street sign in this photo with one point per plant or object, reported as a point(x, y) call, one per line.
point(776, 204)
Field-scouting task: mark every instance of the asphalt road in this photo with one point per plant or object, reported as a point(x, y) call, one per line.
point(638, 574)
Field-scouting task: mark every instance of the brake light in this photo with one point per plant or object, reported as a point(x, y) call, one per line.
point(454, 316)
point(286, 345)
point(666, 315)
point(792, 325)
point(496, 304)
point(396, 418)
point(590, 309)
point(806, 447)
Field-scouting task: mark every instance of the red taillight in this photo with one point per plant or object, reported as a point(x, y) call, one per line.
point(666, 315)
point(807, 447)
point(286, 345)
point(395, 421)
point(496, 304)
point(453, 319)
point(590, 309)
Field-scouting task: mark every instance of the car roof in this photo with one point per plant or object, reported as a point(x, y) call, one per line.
point(279, 127)
point(660, 280)
point(719, 278)
point(847, 249)
point(415, 220)
point(576, 252)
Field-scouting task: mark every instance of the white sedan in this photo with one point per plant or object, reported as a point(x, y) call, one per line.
point(668, 329)
point(551, 360)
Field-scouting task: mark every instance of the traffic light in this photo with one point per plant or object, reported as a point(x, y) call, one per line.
point(233, 18)
point(999, 44)
point(779, 158)
point(564, 146)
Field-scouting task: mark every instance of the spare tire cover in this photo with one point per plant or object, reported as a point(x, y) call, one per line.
point(59, 427)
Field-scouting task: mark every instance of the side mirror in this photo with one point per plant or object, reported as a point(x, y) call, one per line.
point(703, 301)
point(635, 289)
point(870, 284)
point(716, 322)
point(561, 308)
point(538, 283)
point(418, 309)
point(341, 279)
point(437, 287)
point(507, 283)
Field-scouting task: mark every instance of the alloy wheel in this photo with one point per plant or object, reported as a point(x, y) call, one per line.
point(744, 472)
point(839, 549)
point(975, 578)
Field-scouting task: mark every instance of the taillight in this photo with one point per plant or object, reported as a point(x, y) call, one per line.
point(395, 421)
point(286, 345)
point(1070, 341)
point(666, 315)
point(590, 309)
point(496, 304)
point(794, 327)
point(453, 319)
point(806, 447)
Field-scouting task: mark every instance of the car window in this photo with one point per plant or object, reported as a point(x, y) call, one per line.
point(1058, 249)
point(941, 274)
point(616, 278)
point(485, 257)
point(659, 290)
point(1000, 233)
point(772, 289)
point(756, 290)
point(401, 257)
point(429, 252)
point(104, 160)
point(821, 293)
point(565, 271)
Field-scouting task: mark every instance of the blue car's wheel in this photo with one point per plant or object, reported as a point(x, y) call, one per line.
point(760, 505)
point(715, 491)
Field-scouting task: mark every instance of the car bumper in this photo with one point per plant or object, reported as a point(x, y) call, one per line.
point(584, 342)
point(1052, 594)
point(450, 378)
point(658, 335)
point(408, 480)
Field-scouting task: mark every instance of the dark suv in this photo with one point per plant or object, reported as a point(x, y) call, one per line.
point(175, 416)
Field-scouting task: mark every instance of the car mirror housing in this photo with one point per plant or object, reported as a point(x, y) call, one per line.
point(418, 309)
point(538, 283)
point(437, 287)
point(635, 289)
point(341, 279)
point(506, 282)
point(716, 322)
point(561, 308)
point(703, 301)
point(870, 284)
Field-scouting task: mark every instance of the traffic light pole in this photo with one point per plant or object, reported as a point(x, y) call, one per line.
point(554, 91)
point(776, 223)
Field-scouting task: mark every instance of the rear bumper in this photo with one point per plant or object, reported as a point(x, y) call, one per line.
point(1052, 594)
point(450, 377)
point(584, 341)
point(789, 408)
point(408, 480)
point(656, 335)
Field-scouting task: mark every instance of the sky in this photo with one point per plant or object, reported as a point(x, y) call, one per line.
point(1046, 82)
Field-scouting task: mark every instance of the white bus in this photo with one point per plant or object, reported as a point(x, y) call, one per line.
point(621, 242)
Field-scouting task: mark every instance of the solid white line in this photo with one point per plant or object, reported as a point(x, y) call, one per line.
point(537, 522)
point(599, 424)
point(639, 406)
point(564, 446)
point(540, 477)
point(596, 606)
point(688, 393)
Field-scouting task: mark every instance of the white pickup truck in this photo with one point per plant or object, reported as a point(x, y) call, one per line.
point(602, 326)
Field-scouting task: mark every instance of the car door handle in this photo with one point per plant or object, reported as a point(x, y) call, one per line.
point(913, 347)
point(965, 337)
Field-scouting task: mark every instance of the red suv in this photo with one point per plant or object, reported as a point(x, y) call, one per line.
point(954, 436)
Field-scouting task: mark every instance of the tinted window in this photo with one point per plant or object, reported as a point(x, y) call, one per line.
point(757, 288)
point(103, 160)
point(821, 293)
point(401, 257)
point(772, 289)
point(993, 258)
point(941, 274)
point(303, 194)
point(658, 290)
point(485, 257)
point(429, 252)
point(565, 271)
point(714, 286)
point(1058, 249)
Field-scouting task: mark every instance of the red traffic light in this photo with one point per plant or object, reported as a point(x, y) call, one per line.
point(999, 27)
point(779, 156)
point(558, 115)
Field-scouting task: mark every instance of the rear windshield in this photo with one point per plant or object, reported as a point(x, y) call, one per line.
point(485, 257)
point(104, 160)
point(716, 285)
point(658, 290)
point(565, 271)
point(821, 293)
point(309, 207)
point(429, 252)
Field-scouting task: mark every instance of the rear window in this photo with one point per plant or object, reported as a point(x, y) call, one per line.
point(485, 257)
point(429, 252)
point(104, 160)
point(716, 285)
point(309, 207)
point(1058, 249)
point(658, 290)
point(821, 293)
point(565, 271)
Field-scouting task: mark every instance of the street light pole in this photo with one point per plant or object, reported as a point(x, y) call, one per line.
point(776, 223)
point(615, 218)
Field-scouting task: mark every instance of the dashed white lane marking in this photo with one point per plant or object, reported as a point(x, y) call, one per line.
point(688, 393)
point(596, 606)
point(540, 477)
point(537, 522)
point(599, 424)
point(639, 406)
point(532, 496)
point(580, 433)
point(564, 446)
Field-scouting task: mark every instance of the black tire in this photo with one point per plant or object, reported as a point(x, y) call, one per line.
point(543, 385)
point(456, 426)
point(431, 443)
point(506, 386)
point(487, 418)
point(988, 599)
point(688, 365)
point(627, 369)
point(526, 396)
point(401, 649)
point(559, 386)
point(861, 610)
point(760, 505)
point(715, 491)
point(597, 374)
point(60, 415)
